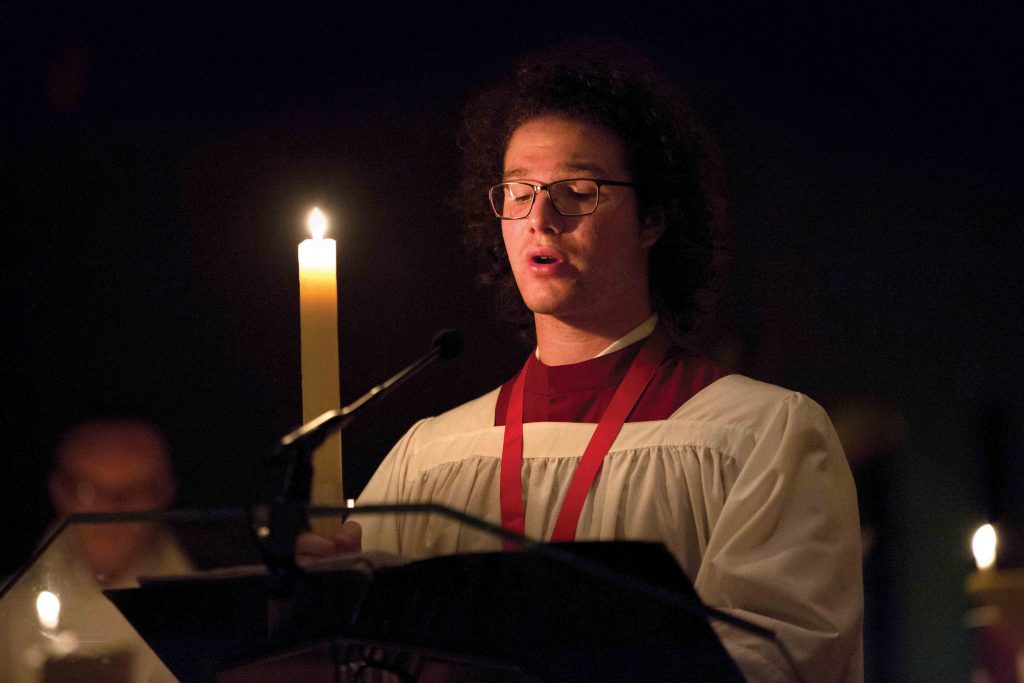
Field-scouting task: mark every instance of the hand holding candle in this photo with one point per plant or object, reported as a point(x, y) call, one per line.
point(318, 319)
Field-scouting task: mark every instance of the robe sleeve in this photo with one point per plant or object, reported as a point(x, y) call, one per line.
point(784, 552)
point(383, 532)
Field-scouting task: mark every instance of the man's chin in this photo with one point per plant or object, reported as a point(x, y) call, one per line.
point(552, 305)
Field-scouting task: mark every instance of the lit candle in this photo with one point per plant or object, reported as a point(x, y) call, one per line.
point(983, 545)
point(48, 610)
point(318, 319)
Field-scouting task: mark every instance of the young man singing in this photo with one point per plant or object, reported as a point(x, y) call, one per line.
point(591, 192)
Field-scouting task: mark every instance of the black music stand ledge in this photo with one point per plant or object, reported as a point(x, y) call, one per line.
point(507, 616)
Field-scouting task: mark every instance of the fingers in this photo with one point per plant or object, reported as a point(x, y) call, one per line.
point(349, 538)
point(310, 546)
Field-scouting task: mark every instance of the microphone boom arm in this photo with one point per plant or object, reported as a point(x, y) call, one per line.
point(287, 515)
point(309, 436)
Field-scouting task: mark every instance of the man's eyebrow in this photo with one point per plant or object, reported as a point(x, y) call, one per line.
point(513, 173)
point(582, 167)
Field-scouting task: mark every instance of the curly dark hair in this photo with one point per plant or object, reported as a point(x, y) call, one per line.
point(670, 157)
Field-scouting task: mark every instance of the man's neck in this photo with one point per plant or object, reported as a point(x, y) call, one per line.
point(561, 342)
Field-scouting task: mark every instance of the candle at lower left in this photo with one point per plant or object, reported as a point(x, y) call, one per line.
point(318, 320)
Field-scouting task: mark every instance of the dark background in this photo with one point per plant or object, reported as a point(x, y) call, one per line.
point(158, 163)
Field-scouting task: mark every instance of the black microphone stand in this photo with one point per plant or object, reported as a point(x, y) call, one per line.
point(287, 516)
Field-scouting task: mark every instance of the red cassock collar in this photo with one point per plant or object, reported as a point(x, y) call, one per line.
point(580, 392)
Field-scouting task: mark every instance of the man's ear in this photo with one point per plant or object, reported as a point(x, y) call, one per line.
point(652, 228)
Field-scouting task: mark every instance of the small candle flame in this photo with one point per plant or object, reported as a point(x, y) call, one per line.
point(317, 223)
point(48, 609)
point(984, 545)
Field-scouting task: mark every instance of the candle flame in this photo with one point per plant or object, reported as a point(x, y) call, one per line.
point(48, 609)
point(984, 545)
point(317, 223)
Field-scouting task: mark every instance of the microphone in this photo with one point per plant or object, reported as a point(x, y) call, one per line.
point(446, 345)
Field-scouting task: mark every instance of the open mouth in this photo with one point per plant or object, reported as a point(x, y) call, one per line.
point(544, 259)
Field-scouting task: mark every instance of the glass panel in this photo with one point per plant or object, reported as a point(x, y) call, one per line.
point(57, 625)
point(205, 604)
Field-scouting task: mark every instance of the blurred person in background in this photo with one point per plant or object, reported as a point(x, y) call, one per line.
point(116, 465)
point(107, 464)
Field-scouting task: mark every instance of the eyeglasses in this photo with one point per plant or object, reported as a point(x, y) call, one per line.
point(570, 197)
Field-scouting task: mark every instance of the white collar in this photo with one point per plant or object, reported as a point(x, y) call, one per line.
point(641, 331)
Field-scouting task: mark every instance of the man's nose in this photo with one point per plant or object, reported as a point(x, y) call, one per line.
point(544, 217)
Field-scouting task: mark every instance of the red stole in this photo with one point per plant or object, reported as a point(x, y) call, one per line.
point(648, 380)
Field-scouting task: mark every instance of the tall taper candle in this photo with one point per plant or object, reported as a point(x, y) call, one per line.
point(318, 319)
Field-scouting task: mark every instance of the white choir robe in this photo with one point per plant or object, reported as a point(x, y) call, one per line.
point(746, 485)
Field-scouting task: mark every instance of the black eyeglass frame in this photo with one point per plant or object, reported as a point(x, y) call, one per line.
point(537, 189)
